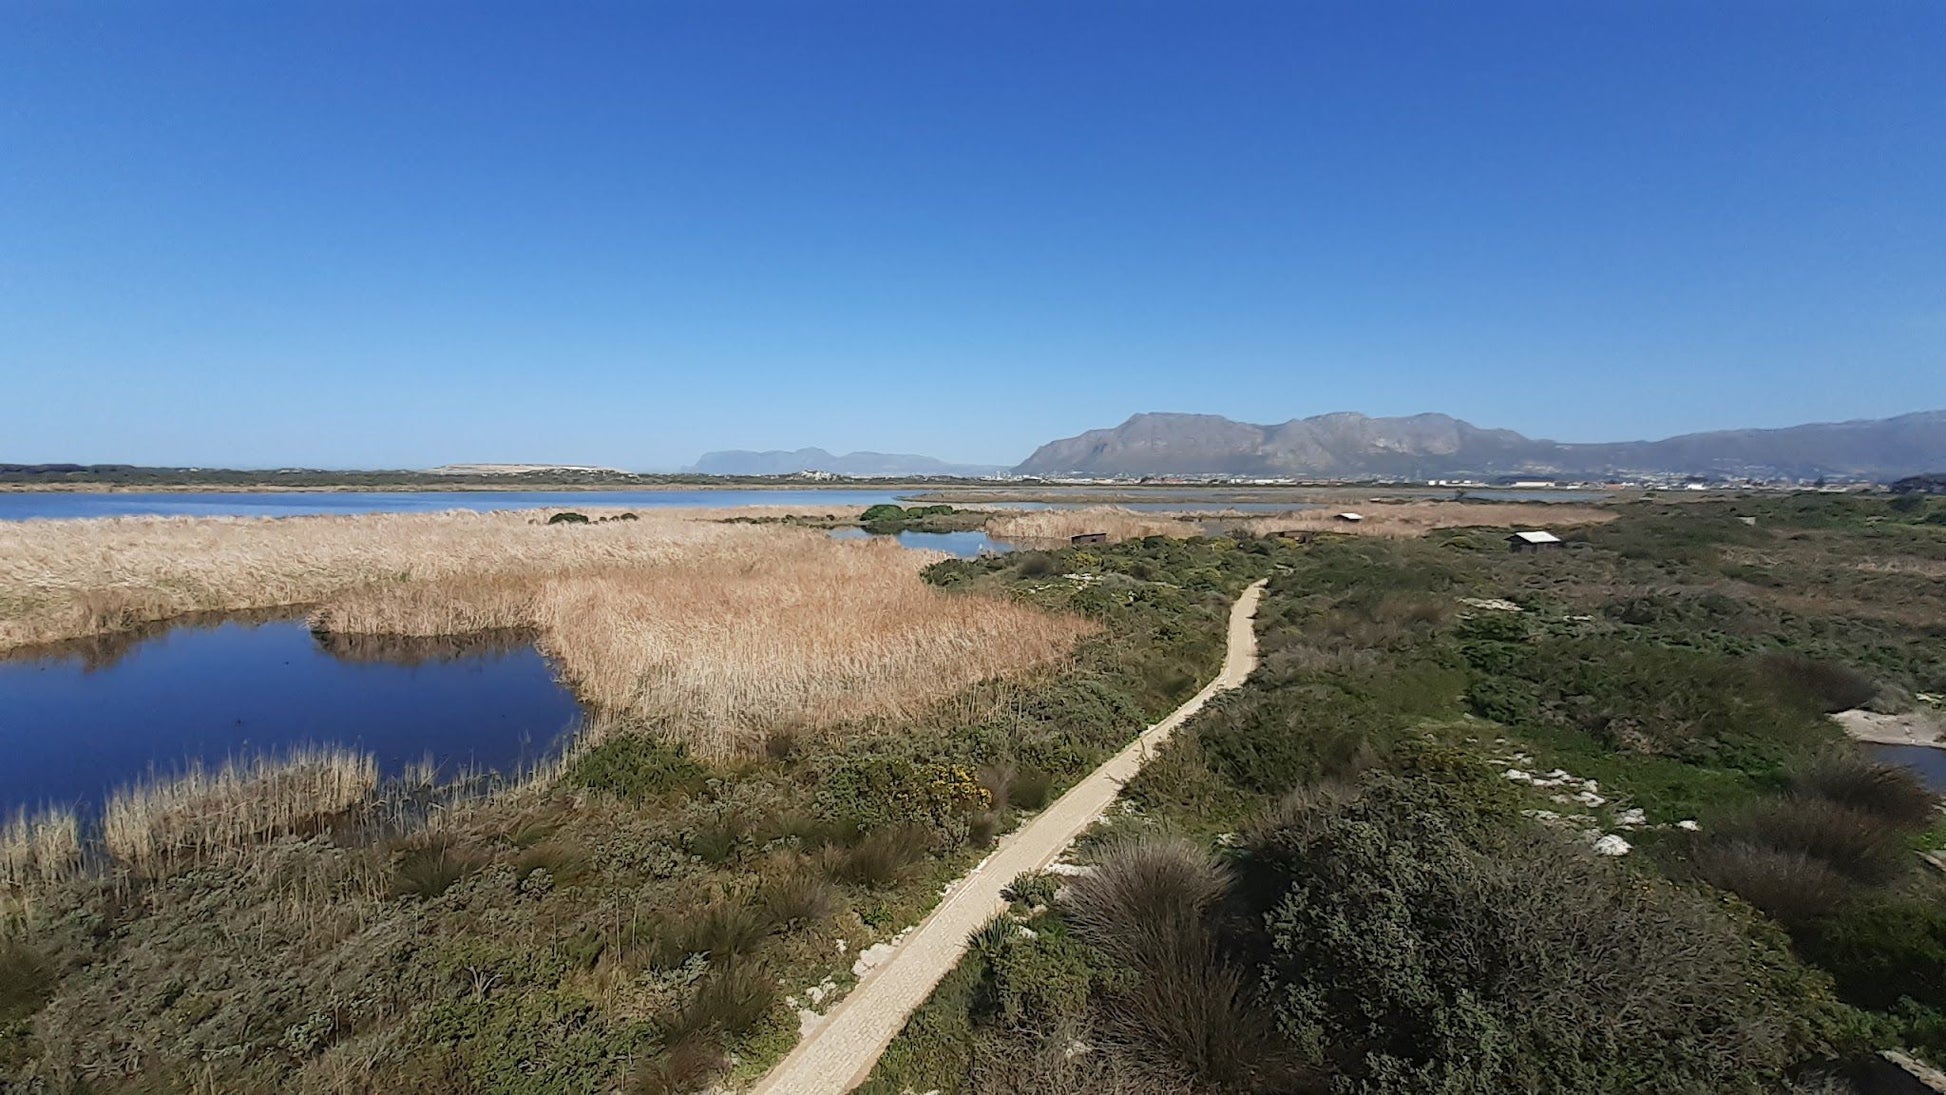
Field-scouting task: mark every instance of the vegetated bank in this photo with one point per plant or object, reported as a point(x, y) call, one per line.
point(650, 917)
point(1485, 821)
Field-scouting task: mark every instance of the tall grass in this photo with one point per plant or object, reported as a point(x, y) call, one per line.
point(724, 645)
point(1053, 527)
point(151, 825)
point(36, 851)
point(71, 579)
point(728, 630)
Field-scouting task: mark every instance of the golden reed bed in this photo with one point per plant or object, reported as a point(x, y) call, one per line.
point(720, 632)
point(1053, 527)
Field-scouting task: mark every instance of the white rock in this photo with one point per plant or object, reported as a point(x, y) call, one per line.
point(1519, 776)
point(869, 957)
point(1633, 818)
point(1689, 824)
point(1611, 845)
point(1069, 869)
point(1590, 799)
point(841, 946)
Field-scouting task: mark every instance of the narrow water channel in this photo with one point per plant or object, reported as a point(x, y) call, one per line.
point(75, 723)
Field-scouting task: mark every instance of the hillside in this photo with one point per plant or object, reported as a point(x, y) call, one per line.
point(778, 462)
point(1348, 445)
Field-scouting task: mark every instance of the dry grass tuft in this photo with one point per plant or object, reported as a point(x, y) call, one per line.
point(1053, 527)
point(36, 851)
point(1406, 520)
point(152, 825)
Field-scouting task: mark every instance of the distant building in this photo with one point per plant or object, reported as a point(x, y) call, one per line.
point(1533, 541)
point(1088, 538)
point(1353, 518)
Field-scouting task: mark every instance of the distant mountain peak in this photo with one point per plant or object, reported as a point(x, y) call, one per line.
point(861, 464)
point(1347, 444)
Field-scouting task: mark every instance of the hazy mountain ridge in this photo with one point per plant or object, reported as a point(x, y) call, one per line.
point(780, 462)
point(1347, 444)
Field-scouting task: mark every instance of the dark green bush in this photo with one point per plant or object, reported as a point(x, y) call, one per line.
point(1792, 886)
point(1883, 949)
point(568, 517)
point(882, 857)
point(1822, 685)
point(1152, 907)
point(797, 900)
point(1034, 564)
point(1889, 791)
point(731, 998)
point(1421, 950)
point(1863, 847)
point(432, 867)
point(27, 981)
point(639, 767)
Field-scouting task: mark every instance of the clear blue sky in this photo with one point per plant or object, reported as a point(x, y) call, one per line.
point(396, 234)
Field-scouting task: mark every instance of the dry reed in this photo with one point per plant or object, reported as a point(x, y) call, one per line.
point(714, 627)
point(72, 579)
point(723, 646)
point(153, 824)
point(1405, 520)
point(1055, 526)
point(36, 849)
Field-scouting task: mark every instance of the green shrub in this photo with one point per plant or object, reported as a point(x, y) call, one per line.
point(687, 1065)
point(432, 867)
point(1034, 564)
point(27, 981)
point(730, 999)
point(1858, 845)
point(1151, 907)
point(1792, 886)
point(1419, 950)
point(638, 767)
point(1889, 791)
point(568, 517)
point(797, 900)
point(882, 857)
point(1032, 888)
point(1821, 685)
point(1881, 950)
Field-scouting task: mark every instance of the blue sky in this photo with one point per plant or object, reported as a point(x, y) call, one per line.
point(381, 234)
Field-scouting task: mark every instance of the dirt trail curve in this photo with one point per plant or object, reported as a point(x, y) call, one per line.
point(840, 1051)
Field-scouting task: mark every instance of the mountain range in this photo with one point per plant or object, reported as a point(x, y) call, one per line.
point(1349, 445)
point(861, 464)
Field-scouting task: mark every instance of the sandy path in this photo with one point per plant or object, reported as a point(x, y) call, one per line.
point(839, 1053)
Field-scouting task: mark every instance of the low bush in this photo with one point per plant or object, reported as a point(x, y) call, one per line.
point(26, 981)
point(730, 999)
point(880, 858)
point(1152, 908)
point(724, 929)
point(1417, 949)
point(1861, 846)
point(568, 517)
point(432, 867)
point(1792, 886)
point(1889, 791)
point(687, 1065)
point(1882, 950)
point(797, 899)
point(639, 767)
point(1823, 685)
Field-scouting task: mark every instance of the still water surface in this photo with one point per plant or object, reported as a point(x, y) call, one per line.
point(21, 505)
point(1929, 762)
point(965, 545)
point(77, 724)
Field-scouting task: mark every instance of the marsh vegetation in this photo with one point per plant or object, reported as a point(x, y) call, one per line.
point(1484, 821)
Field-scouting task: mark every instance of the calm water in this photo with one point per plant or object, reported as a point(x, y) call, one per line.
point(966, 545)
point(21, 505)
point(1929, 762)
point(74, 726)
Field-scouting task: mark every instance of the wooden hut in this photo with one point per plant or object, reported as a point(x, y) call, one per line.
point(1087, 538)
point(1534, 541)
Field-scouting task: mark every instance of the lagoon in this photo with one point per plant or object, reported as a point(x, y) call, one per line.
point(80, 720)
